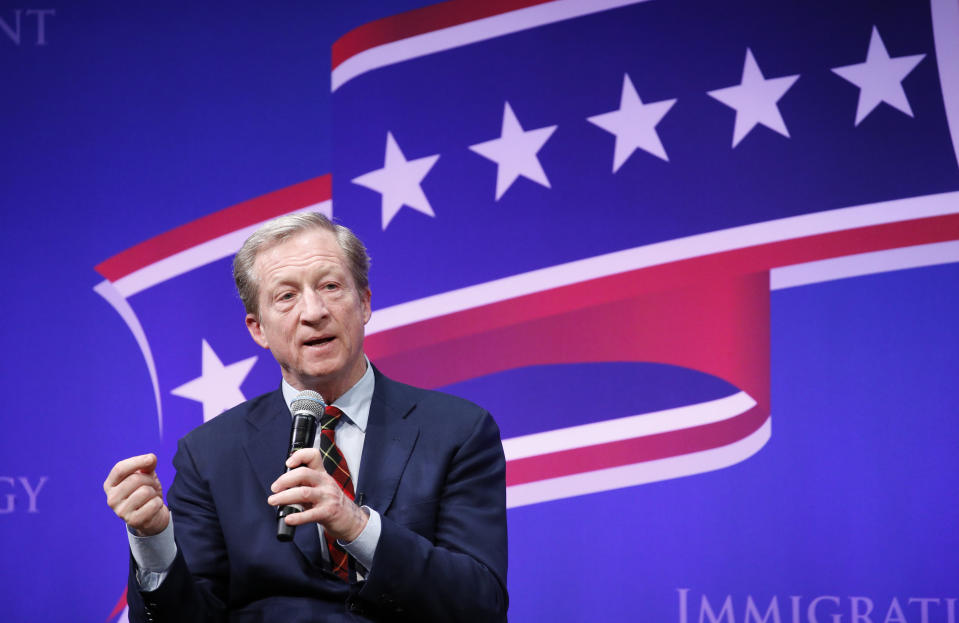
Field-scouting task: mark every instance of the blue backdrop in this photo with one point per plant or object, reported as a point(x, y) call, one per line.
point(731, 232)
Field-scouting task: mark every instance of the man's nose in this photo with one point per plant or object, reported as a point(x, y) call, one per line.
point(314, 307)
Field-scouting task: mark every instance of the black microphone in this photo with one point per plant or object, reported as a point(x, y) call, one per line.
point(306, 408)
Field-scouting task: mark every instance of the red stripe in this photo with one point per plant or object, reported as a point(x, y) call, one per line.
point(121, 604)
point(721, 329)
point(679, 274)
point(215, 225)
point(635, 450)
point(419, 21)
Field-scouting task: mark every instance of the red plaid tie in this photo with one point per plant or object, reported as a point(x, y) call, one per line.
point(335, 466)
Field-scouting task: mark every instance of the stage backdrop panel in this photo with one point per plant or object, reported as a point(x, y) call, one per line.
point(699, 260)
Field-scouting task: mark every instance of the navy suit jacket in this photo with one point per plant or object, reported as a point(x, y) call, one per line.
point(432, 466)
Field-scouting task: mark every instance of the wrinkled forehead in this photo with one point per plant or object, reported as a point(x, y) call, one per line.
point(302, 250)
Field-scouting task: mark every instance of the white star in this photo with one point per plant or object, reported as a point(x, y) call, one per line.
point(218, 386)
point(514, 152)
point(634, 124)
point(754, 100)
point(880, 78)
point(399, 181)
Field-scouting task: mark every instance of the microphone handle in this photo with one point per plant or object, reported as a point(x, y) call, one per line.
point(302, 435)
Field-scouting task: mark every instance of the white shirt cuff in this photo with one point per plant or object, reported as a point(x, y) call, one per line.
point(155, 553)
point(364, 546)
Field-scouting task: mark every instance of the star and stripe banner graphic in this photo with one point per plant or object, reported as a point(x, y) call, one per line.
point(554, 137)
point(616, 224)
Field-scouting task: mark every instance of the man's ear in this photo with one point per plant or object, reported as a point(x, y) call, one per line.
point(256, 331)
point(367, 310)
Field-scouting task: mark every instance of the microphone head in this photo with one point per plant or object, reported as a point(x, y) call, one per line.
point(310, 402)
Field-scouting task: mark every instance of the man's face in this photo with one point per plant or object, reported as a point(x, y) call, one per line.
point(311, 314)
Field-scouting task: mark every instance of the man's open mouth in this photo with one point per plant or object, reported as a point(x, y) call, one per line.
point(318, 341)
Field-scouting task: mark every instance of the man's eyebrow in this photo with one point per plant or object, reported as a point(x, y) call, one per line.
point(273, 283)
point(322, 272)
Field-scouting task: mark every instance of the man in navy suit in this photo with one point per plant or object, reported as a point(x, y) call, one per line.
point(426, 536)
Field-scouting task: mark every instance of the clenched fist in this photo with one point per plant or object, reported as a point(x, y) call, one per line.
point(136, 496)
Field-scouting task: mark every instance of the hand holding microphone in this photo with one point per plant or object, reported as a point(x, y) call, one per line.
point(306, 409)
point(306, 493)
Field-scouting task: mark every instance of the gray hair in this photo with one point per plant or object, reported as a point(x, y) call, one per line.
point(279, 229)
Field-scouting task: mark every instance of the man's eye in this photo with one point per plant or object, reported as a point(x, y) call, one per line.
point(286, 296)
point(332, 286)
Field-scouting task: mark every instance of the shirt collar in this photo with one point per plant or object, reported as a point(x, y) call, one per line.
point(355, 403)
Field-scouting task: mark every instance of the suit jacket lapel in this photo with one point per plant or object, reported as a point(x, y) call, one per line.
point(269, 438)
point(390, 438)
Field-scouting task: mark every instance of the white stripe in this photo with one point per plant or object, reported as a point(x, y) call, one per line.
point(661, 253)
point(120, 304)
point(194, 257)
point(466, 33)
point(945, 31)
point(638, 473)
point(627, 427)
point(864, 264)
